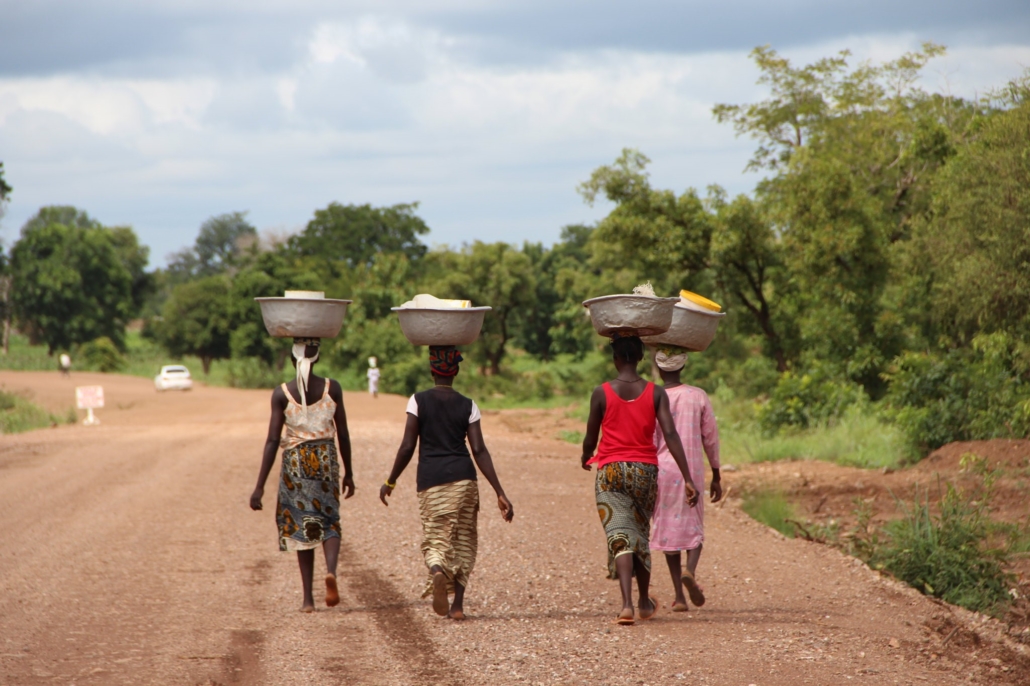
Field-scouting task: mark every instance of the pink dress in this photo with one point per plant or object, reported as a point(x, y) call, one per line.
point(676, 525)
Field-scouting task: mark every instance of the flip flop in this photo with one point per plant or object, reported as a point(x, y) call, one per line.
point(332, 594)
point(623, 620)
point(654, 610)
point(697, 596)
point(440, 604)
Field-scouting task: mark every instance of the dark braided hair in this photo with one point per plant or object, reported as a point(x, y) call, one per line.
point(628, 348)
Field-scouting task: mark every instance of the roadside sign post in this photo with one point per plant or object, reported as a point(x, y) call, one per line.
point(89, 398)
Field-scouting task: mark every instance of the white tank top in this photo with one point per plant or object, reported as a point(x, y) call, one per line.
point(314, 424)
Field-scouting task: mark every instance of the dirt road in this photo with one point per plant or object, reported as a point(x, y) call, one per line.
point(128, 555)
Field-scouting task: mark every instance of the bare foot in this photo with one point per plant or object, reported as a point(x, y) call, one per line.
point(457, 615)
point(440, 594)
point(649, 611)
point(680, 606)
point(697, 596)
point(307, 608)
point(626, 617)
point(332, 594)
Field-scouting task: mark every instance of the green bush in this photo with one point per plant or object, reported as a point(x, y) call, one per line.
point(946, 555)
point(961, 394)
point(101, 355)
point(807, 399)
point(253, 372)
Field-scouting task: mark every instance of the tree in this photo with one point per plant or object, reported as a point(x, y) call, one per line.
point(654, 232)
point(5, 190)
point(355, 234)
point(974, 246)
point(195, 320)
point(494, 274)
point(69, 282)
point(222, 239)
point(852, 151)
point(746, 258)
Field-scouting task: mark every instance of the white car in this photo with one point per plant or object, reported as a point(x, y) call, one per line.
point(173, 377)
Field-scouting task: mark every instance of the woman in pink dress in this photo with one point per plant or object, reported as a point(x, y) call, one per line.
point(677, 526)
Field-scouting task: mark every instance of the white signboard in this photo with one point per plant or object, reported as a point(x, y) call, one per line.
point(89, 397)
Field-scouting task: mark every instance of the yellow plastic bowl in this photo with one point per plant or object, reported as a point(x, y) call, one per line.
point(701, 301)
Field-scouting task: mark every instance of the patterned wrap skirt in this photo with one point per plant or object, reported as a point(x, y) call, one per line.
point(450, 539)
point(625, 493)
point(308, 508)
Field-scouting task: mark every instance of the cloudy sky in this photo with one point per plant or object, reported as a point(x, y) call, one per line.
point(159, 114)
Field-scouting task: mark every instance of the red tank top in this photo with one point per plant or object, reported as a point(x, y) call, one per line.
point(627, 430)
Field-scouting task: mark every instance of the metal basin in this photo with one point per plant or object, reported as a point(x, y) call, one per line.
point(691, 328)
point(303, 317)
point(638, 315)
point(443, 326)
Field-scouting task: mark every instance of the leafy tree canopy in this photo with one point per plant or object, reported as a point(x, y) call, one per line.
point(355, 234)
point(195, 320)
point(71, 283)
point(221, 241)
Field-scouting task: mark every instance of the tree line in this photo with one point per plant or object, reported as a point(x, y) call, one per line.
point(883, 258)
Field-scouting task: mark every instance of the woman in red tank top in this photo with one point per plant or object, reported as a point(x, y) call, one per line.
point(624, 412)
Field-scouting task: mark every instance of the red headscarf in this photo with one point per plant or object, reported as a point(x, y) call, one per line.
point(444, 360)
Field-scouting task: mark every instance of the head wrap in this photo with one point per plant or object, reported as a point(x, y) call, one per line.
point(304, 366)
point(444, 359)
point(671, 359)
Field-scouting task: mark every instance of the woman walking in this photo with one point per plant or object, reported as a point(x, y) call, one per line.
point(625, 411)
point(439, 421)
point(677, 527)
point(307, 510)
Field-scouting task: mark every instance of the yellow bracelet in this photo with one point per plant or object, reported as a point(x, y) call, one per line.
point(390, 485)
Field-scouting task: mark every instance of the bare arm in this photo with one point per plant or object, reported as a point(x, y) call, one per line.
point(404, 454)
point(343, 436)
point(486, 466)
point(597, 408)
point(672, 440)
point(275, 431)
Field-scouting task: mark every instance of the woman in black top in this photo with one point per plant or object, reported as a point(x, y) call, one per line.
point(439, 420)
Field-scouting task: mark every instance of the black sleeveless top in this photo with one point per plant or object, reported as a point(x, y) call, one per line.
point(443, 422)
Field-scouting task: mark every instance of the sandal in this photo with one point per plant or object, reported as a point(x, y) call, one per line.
point(697, 596)
point(623, 620)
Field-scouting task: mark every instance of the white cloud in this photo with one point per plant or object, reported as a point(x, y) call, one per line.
point(383, 109)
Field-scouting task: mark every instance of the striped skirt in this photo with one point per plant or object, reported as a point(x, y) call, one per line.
point(449, 539)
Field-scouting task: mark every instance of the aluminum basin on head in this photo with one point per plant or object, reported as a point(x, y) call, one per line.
point(639, 315)
point(303, 317)
point(444, 326)
point(692, 329)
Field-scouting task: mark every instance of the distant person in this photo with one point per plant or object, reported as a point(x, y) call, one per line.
point(625, 411)
point(65, 364)
point(307, 510)
point(677, 526)
point(373, 377)
point(439, 421)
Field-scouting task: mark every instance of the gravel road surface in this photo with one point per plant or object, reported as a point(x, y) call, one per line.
point(128, 555)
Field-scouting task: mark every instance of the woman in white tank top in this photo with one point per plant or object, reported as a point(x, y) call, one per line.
point(307, 510)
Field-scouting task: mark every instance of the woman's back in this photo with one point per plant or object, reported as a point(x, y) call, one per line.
point(316, 422)
point(627, 430)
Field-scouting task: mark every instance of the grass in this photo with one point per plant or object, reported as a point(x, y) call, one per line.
point(18, 414)
point(770, 508)
point(575, 437)
point(858, 439)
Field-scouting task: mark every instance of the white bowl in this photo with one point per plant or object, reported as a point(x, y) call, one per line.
point(303, 317)
point(636, 315)
point(692, 328)
point(443, 326)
